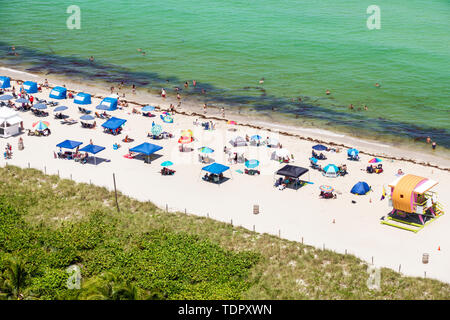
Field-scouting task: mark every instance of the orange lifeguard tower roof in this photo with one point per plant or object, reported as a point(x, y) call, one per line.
point(404, 189)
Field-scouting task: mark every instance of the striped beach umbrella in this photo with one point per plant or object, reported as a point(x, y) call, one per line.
point(205, 150)
point(331, 170)
point(352, 152)
point(166, 118)
point(187, 133)
point(41, 125)
point(231, 122)
point(375, 160)
point(156, 129)
point(185, 140)
point(256, 137)
point(251, 163)
point(166, 164)
point(326, 188)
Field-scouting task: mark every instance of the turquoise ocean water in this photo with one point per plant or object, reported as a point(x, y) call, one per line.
point(301, 48)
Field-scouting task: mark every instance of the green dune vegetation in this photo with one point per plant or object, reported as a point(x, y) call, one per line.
point(48, 224)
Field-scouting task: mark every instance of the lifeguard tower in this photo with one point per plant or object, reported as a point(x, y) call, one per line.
point(413, 203)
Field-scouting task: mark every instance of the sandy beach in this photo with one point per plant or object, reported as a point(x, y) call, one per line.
point(295, 215)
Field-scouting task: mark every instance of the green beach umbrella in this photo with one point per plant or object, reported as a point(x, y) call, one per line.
point(156, 129)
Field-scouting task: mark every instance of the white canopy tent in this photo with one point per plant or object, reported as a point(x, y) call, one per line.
point(10, 122)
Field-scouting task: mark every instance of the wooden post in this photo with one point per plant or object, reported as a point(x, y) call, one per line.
point(399, 267)
point(115, 191)
point(372, 259)
point(279, 233)
point(28, 165)
point(58, 173)
point(424, 274)
point(253, 228)
point(45, 170)
point(184, 210)
point(231, 222)
point(302, 240)
point(345, 251)
point(167, 208)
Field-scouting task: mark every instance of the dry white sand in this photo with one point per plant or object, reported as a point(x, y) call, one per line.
point(296, 215)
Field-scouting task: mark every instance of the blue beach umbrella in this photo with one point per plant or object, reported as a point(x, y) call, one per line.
point(256, 137)
point(166, 164)
point(22, 100)
point(319, 147)
point(148, 108)
point(40, 106)
point(87, 117)
point(60, 108)
point(6, 97)
point(102, 107)
point(156, 129)
point(352, 152)
point(331, 170)
point(251, 163)
point(205, 150)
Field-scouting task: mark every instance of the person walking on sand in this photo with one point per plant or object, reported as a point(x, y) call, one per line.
point(163, 93)
point(134, 89)
point(178, 96)
point(204, 108)
point(223, 112)
point(433, 145)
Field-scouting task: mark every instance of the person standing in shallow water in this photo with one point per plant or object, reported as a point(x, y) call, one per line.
point(433, 145)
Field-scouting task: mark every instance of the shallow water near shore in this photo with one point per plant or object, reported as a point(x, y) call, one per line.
point(300, 48)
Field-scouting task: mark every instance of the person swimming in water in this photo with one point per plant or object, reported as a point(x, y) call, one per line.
point(327, 92)
point(377, 85)
point(351, 106)
point(261, 81)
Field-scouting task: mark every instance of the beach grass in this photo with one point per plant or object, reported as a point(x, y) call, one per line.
point(176, 255)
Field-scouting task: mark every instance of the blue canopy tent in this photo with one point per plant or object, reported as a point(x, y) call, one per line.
point(113, 124)
point(82, 98)
point(361, 188)
point(94, 149)
point(110, 103)
point(30, 87)
point(58, 93)
point(5, 82)
point(147, 149)
point(215, 169)
point(69, 144)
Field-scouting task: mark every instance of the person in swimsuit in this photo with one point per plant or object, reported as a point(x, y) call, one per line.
point(163, 93)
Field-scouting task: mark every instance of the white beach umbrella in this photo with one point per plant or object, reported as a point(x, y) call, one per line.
point(282, 153)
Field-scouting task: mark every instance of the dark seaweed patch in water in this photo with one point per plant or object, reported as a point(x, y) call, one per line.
point(306, 109)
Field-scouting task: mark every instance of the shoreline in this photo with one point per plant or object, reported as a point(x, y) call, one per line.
point(192, 109)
